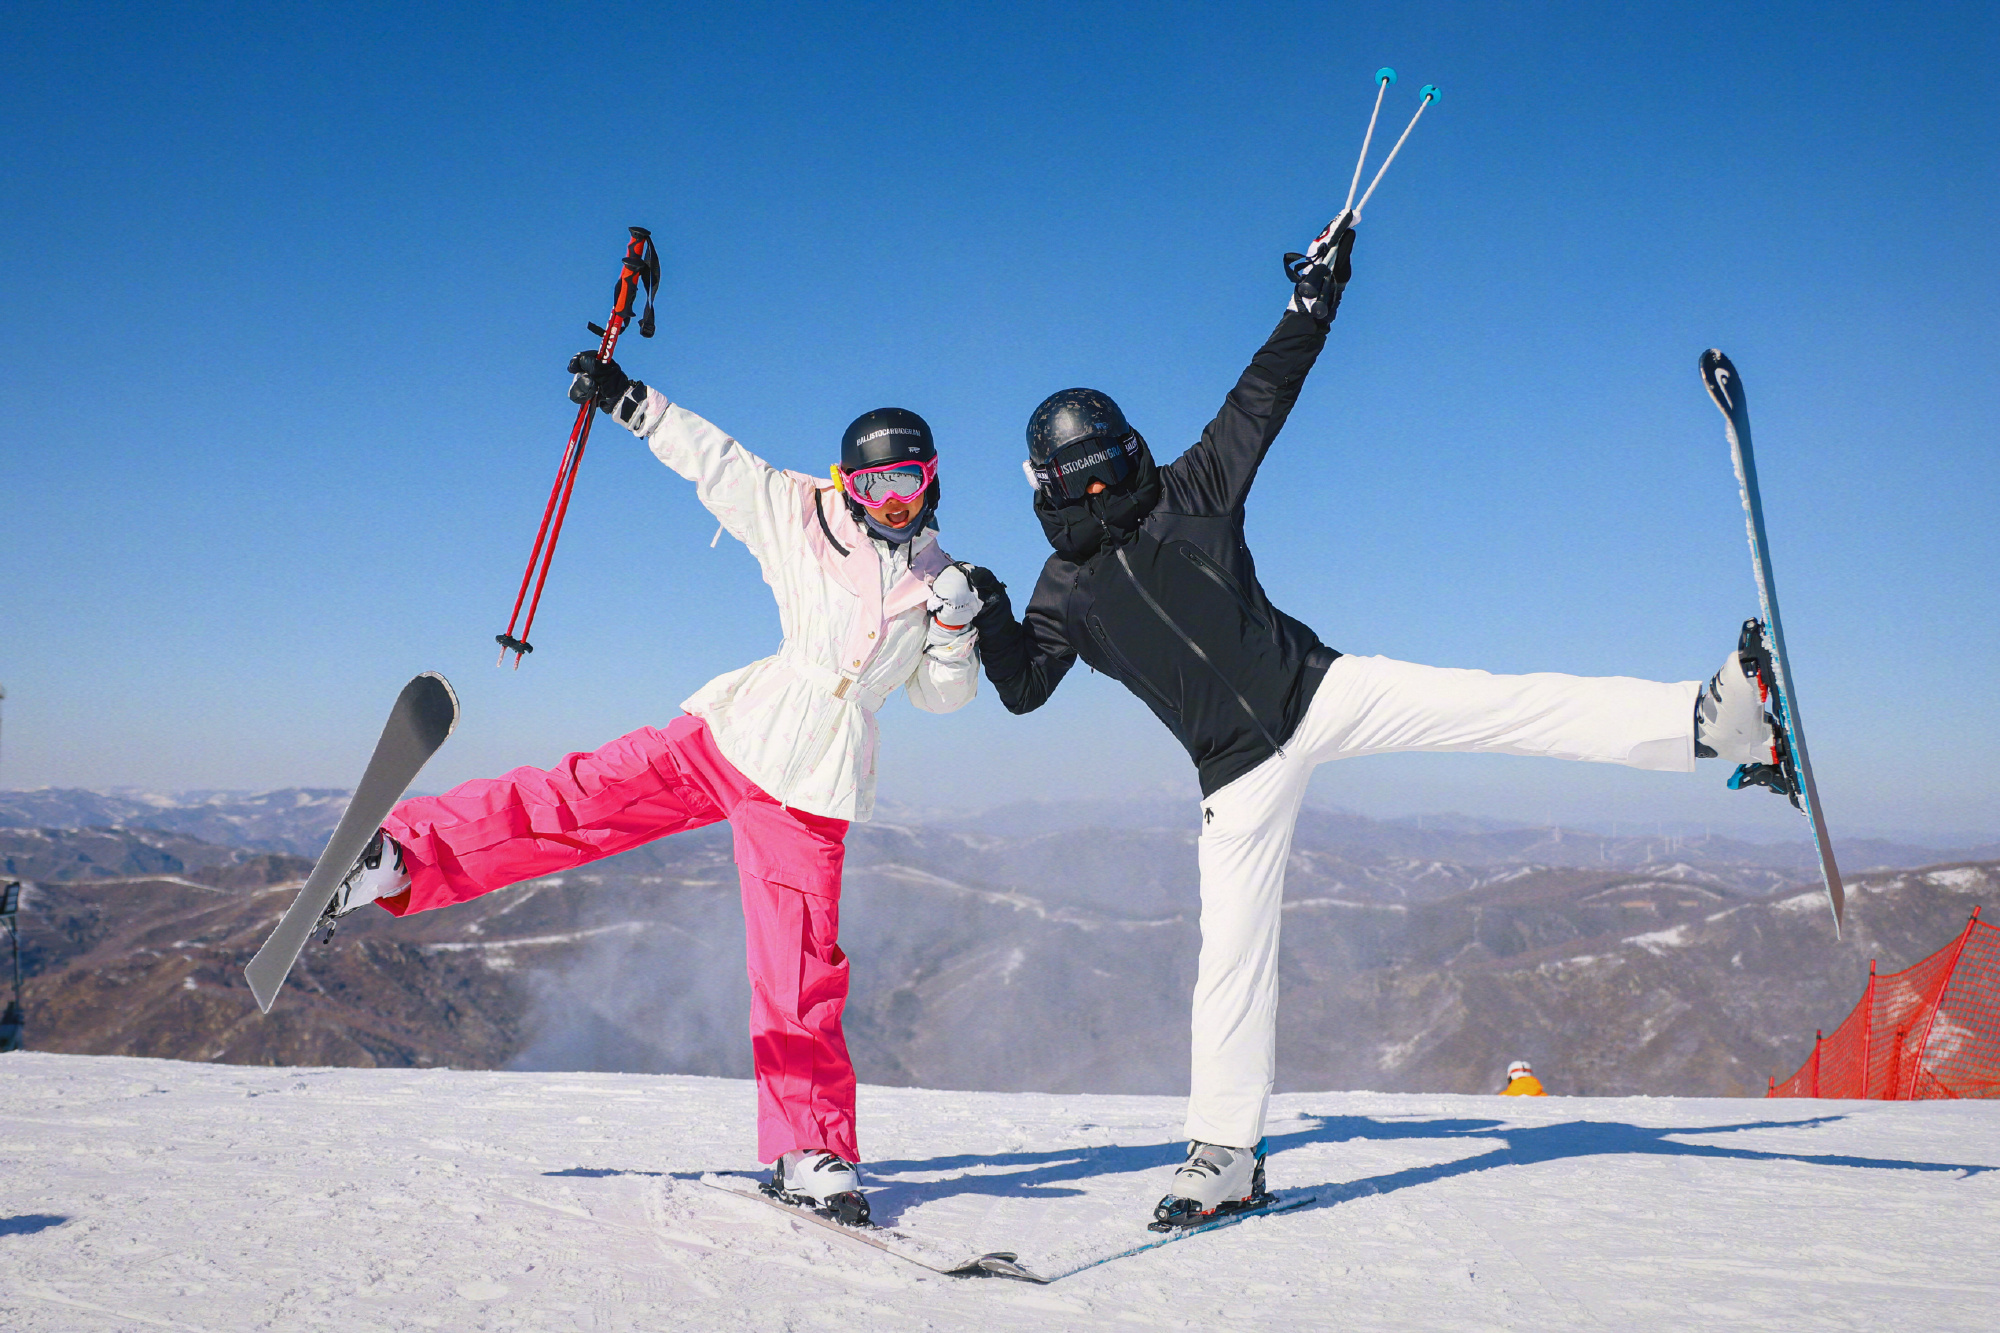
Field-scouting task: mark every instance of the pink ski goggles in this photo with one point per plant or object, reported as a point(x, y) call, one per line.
point(877, 486)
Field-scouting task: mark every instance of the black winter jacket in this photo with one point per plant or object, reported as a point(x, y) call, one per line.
point(1172, 608)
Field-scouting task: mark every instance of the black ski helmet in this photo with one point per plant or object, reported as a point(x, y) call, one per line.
point(876, 439)
point(1076, 437)
point(886, 435)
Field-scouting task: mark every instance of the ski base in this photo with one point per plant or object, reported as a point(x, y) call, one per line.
point(889, 1240)
point(425, 714)
point(1792, 776)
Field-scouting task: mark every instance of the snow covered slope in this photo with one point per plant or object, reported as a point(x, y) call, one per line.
point(154, 1194)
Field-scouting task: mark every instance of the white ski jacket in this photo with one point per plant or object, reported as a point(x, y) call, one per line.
point(801, 724)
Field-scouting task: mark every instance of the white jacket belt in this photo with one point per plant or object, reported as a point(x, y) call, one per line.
point(801, 723)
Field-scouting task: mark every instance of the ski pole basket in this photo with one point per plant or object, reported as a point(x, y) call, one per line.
point(641, 269)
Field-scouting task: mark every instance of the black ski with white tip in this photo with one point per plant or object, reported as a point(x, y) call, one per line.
point(1763, 641)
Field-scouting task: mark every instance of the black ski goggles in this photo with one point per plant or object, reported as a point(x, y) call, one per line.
point(1067, 474)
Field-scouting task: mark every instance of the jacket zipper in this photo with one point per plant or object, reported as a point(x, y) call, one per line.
point(1201, 562)
point(1196, 649)
point(1119, 660)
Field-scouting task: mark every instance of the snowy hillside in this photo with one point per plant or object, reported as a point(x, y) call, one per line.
point(147, 1193)
point(980, 972)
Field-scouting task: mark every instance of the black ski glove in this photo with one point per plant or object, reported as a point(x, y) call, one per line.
point(603, 383)
point(993, 605)
point(1320, 275)
point(596, 381)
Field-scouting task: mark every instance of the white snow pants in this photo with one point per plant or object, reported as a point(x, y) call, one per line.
point(1373, 705)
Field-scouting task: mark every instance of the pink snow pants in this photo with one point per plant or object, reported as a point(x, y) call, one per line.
point(491, 832)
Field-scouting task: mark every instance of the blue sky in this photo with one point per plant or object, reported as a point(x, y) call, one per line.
point(288, 290)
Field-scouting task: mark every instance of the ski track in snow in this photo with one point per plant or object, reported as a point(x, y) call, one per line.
point(155, 1194)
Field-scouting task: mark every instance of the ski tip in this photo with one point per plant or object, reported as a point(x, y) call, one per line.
point(1385, 75)
point(435, 706)
point(1430, 93)
point(1001, 1263)
point(1719, 377)
point(263, 988)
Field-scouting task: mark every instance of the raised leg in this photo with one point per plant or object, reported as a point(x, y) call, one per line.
point(491, 832)
point(1377, 705)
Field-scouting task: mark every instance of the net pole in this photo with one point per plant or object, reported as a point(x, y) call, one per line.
point(1923, 1045)
point(1868, 1028)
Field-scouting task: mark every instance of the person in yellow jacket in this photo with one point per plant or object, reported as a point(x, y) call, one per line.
point(1521, 1081)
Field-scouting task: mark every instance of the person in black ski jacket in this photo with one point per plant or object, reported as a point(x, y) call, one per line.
point(1152, 584)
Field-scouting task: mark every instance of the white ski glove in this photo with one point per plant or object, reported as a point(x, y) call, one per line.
point(952, 605)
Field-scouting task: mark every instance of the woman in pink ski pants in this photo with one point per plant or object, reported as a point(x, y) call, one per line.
point(783, 749)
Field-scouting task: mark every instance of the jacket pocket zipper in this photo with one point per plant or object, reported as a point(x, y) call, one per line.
point(1200, 561)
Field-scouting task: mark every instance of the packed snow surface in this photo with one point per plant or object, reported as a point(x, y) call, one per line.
point(153, 1194)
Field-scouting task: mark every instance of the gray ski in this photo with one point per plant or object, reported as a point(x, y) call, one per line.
point(889, 1240)
point(424, 715)
point(1792, 776)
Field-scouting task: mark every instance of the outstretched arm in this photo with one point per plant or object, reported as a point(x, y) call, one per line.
point(1025, 659)
point(1214, 475)
point(760, 505)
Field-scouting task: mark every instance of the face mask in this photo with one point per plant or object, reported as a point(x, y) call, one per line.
point(1078, 531)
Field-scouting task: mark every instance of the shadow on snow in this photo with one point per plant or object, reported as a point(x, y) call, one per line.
point(1054, 1174)
point(1061, 1173)
point(1530, 1145)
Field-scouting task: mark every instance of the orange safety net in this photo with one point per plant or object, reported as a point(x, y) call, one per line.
point(1931, 1030)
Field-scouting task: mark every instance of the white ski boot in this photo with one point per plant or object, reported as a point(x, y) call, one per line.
point(1729, 719)
point(377, 873)
point(1215, 1181)
point(821, 1181)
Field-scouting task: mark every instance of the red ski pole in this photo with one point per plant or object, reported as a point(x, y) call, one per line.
point(642, 269)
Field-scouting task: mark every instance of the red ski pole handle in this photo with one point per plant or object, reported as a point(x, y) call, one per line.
point(642, 269)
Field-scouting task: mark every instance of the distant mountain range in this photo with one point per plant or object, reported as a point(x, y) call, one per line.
point(298, 820)
point(1030, 947)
